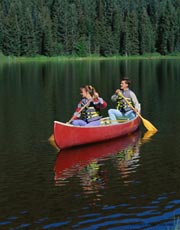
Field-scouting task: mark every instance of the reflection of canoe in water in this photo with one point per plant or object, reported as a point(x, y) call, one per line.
point(69, 161)
point(67, 135)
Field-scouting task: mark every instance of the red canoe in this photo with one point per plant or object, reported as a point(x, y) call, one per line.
point(67, 135)
point(70, 161)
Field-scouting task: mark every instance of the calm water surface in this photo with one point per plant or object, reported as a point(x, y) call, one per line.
point(127, 183)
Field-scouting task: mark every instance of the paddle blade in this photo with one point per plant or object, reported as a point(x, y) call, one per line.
point(51, 138)
point(147, 136)
point(148, 125)
point(52, 142)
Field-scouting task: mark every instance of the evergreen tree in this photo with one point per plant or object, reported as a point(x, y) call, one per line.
point(165, 43)
point(103, 34)
point(103, 27)
point(130, 34)
point(81, 47)
point(28, 39)
point(117, 25)
point(38, 17)
point(73, 34)
point(55, 11)
point(47, 39)
point(133, 33)
point(146, 34)
point(64, 27)
point(125, 43)
point(177, 32)
point(11, 38)
point(1, 28)
point(170, 11)
point(89, 11)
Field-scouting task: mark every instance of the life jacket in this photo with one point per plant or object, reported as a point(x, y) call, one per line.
point(90, 113)
point(121, 103)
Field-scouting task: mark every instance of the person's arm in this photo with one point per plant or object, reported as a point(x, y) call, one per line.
point(76, 114)
point(99, 102)
point(116, 95)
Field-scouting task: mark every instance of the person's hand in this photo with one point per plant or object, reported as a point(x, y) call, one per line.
point(89, 98)
point(96, 95)
point(118, 91)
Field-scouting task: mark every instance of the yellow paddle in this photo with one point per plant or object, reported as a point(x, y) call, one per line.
point(146, 123)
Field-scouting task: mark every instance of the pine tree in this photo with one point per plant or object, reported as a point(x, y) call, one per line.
point(133, 33)
point(89, 12)
point(177, 32)
point(65, 21)
point(165, 42)
point(28, 39)
point(103, 27)
point(11, 39)
point(146, 34)
point(117, 25)
point(130, 34)
point(103, 33)
point(38, 19)
point(55, 9)
point(125, 41)
point(47, 39)
point(1, 28)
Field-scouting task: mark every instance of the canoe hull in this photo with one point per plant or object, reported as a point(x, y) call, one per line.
point(68, 136)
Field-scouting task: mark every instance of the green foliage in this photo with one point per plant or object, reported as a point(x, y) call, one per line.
point(86, 28)
point(146, 33)
point(81, 47)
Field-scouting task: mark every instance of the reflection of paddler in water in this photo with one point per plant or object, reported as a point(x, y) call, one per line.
point(94, 176)
point(91, 177)
point(85, 162)
point(127, 159)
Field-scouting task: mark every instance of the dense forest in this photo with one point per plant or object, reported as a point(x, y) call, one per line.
point(89, 27)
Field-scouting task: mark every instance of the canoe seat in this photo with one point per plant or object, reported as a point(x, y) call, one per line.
point(107, 121)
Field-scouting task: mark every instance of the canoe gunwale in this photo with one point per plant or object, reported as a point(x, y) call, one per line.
point(100, 126)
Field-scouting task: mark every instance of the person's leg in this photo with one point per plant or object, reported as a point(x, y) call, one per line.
point(94, 123)
point(114, 114)
point(79, 122)
point(130, 115)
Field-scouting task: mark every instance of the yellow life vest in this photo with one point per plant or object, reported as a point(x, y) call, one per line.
point(90, 113)
point(122, 104)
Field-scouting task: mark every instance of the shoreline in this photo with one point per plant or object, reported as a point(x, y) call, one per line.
point(11, 59)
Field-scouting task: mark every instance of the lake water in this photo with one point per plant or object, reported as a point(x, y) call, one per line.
point(127, 183)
